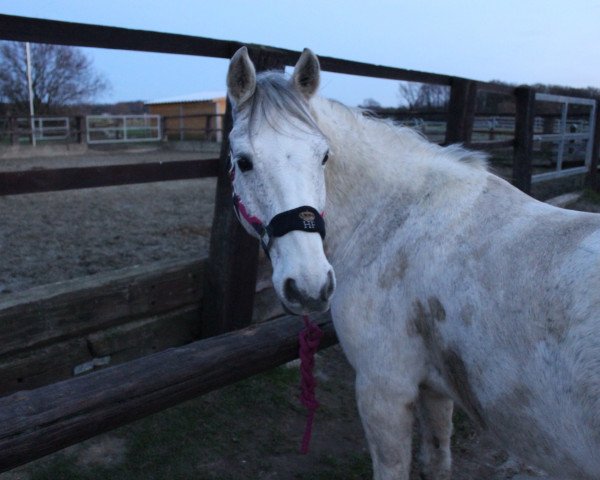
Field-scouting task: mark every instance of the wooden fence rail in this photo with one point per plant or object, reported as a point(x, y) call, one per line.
point(38, 422)
point(47, 331)
point(34, 181)
point(36, 30)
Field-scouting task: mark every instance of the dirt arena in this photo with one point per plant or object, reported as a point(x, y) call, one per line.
point(50, 237)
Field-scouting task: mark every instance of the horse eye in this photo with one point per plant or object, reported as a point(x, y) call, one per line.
point(325, 158)
point(245, 164)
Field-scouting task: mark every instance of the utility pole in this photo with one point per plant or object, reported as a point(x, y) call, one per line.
point(31, 112)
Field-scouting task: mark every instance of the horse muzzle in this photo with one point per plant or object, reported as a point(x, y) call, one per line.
point(298, 301)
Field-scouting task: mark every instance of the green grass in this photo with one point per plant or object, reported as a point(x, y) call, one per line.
point(591, 196)
point(247, 431)
point(351, 467)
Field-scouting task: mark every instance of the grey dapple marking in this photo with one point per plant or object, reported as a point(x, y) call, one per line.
point(452, 286)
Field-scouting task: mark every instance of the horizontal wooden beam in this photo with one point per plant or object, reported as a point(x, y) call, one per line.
point(57, 312)
point(25, 29)
point(496, 88)
point(37, 30)
point(125, 341)
point(336, 65)
point(34, 181)
point(492, 144)
point(37, 422)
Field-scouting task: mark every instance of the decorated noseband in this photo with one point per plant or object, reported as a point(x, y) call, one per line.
point(305, 219)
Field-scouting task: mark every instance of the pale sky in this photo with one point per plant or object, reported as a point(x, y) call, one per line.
point(519, 41)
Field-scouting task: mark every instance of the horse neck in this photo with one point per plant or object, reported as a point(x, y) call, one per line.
point(366, 171)
point(379, 172)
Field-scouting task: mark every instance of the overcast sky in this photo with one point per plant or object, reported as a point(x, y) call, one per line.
point(519, 41)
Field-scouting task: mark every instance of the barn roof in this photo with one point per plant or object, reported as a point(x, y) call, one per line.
point(190, 97)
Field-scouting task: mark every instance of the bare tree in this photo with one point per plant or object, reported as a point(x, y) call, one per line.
point(370, 103)
point(433, 96)
point(423, 95)
point(61, 76)
point(409, 93)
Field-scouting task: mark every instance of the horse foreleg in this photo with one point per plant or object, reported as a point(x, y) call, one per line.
point(387, 417)
point(435, 427)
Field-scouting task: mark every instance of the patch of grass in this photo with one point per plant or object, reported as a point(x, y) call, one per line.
point(61, 468)
point(591, 196)
point(351, 467)
point(247, 431)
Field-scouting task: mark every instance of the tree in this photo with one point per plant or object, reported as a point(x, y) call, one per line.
point(61, 76)
point(409, 93)
point(370, 103)
point(433, 96)
point(423, 95)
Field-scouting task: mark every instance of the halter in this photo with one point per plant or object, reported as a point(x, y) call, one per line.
point(305, 219)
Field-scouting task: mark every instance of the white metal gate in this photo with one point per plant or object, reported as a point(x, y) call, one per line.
point(564, 135)
point(45, 128)
point(122, 128)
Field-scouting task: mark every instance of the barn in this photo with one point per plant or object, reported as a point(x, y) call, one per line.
point(195, 116)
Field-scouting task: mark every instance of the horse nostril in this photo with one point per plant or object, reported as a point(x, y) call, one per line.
point(327, 289)
point(291, 291)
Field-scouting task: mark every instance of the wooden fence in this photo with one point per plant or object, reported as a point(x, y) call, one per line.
point(128, 314)
point(14, 128)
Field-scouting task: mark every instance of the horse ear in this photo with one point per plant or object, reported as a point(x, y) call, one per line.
point(307, 73)
point(241, 77)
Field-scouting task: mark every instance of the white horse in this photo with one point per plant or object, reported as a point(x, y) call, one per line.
point(452, 286)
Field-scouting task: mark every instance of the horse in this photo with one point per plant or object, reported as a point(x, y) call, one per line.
point(446, 284)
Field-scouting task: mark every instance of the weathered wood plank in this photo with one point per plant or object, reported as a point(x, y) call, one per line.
point(492, 144)
point(336, 65)
point(32, 181)
point(592, 176)
point(523, 152)
point(52, 313)
point(126, 341)
point(461, 111)
point(38, 422)
point(42, 366)
point(148, 335)
point(62, 360)
point(495, 88)
point(26, 29)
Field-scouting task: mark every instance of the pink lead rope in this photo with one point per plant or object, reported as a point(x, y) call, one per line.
point(309, 338)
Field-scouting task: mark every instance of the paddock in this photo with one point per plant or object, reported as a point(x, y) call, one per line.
point(199, 313)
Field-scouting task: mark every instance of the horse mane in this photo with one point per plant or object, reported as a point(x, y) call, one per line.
point(392, 134)
point(276, 101)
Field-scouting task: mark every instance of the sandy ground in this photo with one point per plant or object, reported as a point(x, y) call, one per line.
point(50, 237)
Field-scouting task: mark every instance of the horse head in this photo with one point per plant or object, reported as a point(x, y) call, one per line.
point(278, 157)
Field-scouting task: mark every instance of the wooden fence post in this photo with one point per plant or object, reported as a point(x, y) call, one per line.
point(80, 128)
point(461, 111)
point(230, 279)
point(207, 127)
point(591, 180)
point(523, 151)
point(13, 129)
